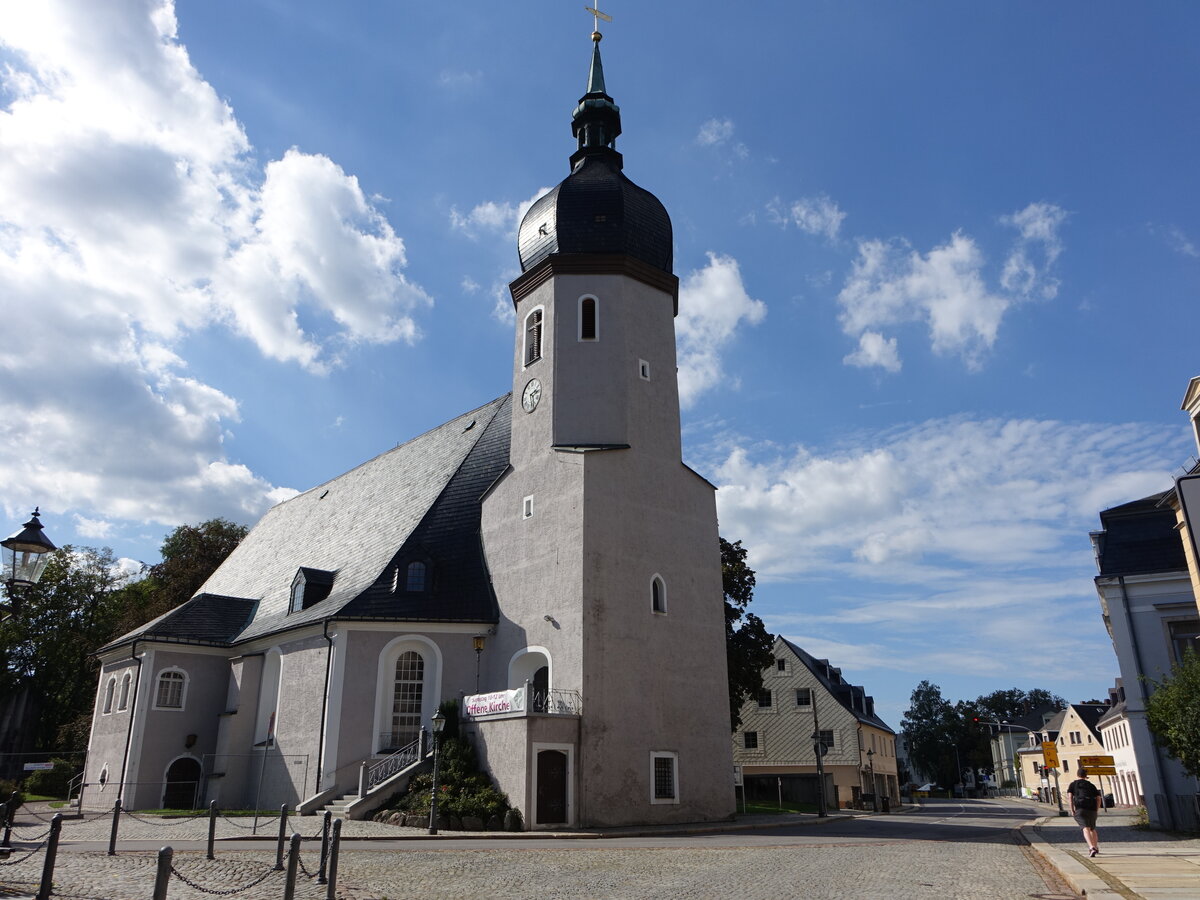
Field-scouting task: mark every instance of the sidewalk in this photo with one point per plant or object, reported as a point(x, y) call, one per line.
point(1133, 863)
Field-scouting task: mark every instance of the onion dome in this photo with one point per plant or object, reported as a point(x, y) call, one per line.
point(596, 209)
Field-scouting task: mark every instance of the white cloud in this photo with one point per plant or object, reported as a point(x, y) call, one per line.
point(929, 503)
point(874, 350)
point(133, 213)
point(93, 528)
point(715, 131)
point(713, 306)
point(1181, 243)
point(891, 284)
point(813, 215)
point(492, 217)
point(458, 78)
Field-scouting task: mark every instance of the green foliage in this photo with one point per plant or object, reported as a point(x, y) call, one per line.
point(1173, 712)
point(463, 790)
point(6, 791)
point(932, 728)
point(747, 642)
point(52, 782)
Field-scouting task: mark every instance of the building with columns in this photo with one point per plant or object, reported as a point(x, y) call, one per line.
point(546, 558)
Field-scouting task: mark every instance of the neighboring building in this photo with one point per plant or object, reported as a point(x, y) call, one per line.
point(1007, 741)
point(1118, 743)
point(547, 558)
point(803, 697)
point(1077, 734)
point(1150, 612)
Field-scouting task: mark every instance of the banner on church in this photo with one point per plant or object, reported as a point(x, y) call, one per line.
point(497, 703)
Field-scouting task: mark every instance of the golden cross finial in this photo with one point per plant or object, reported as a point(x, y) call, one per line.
point(595, 11)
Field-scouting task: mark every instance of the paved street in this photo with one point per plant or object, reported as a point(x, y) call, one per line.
point(944, 850)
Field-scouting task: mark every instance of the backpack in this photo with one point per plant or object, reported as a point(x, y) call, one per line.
point(1085, 794)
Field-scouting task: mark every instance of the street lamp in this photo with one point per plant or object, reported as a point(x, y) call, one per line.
point(439, 722)
point(26, 553)
point(478, 641)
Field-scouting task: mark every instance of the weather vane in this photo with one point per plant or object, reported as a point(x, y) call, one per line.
point(595, 11)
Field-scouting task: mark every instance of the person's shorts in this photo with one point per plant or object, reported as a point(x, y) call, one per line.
point(1086, 818)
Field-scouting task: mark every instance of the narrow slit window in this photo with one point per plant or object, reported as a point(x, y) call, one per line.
point(587, 319)
point(658, 595)
point(527, 508)
point(643, 370)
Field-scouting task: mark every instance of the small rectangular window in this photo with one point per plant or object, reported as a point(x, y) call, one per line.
point(664, 777)
point(803, 697)
point(750, 740)
point(826, 738)
point(527, 508)
point(781, 665)
point(764, 699)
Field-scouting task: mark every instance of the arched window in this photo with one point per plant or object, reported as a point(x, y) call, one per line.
point(109, 690)
point(589, 329)
point(658, 595)
point(126, 681)
point(408, 694)
point(415, 580)
point(170, 691)
point(533, 336)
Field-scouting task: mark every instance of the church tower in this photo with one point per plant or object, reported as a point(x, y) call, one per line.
point(602, 544)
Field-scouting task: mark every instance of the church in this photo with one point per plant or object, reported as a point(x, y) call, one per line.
point(546, 559)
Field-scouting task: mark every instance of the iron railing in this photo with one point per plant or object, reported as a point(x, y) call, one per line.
point(555, 701)
point(386, 768)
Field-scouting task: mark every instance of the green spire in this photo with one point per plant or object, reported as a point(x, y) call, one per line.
point(596, 121)
point(596, 75)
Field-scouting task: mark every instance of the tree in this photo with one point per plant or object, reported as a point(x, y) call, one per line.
point(190, 554)
point(747, 642)
point(932, 729)
point(1173, 712)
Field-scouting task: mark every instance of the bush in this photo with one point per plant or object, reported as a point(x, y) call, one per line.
point(52, 782)
point(6, 790)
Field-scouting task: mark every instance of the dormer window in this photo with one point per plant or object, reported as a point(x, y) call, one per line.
point(416, 577)
point(309, 587)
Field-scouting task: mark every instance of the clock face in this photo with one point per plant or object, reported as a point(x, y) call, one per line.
point(531, 395)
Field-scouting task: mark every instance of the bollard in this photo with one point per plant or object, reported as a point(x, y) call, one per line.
point(112, 835)
point(289, 881)
point(51, 854)
point(282, 838)
point(331, 888)
point(163, 876)
point(10, 813)
point(212, 827)
point(321, 879)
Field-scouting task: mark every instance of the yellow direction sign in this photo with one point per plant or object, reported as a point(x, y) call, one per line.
point(1092, 762)
point(1100, 770)
point(1049, 754)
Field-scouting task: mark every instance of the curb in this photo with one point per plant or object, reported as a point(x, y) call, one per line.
point(1081, 879)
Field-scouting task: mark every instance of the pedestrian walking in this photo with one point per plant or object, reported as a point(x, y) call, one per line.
point(1085, 806)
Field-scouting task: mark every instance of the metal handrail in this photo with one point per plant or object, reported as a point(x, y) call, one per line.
point(389, 766)
point(555, 702)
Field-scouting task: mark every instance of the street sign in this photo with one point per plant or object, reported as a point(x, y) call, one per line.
point(1093, 762)
point(38, 767)
point(1050, 754)
point(1101, 770)
point(737, 776)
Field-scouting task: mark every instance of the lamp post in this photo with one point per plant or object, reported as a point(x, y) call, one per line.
point(26, 553)
point(439, 722)
point(874, 797)
point(478, 642)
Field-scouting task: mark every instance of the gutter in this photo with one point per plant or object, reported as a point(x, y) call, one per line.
point(324, 702)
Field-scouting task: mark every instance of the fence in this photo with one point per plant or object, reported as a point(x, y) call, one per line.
point(325, 874)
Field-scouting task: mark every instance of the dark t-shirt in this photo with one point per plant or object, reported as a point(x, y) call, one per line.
point(1084, 792)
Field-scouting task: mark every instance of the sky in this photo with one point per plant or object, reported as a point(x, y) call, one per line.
point(933, 262)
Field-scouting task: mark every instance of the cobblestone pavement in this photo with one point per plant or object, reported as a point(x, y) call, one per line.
point(954, 852)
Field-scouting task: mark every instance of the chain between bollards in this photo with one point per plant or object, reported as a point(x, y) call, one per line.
point(51, 855)
point(334, 847)
point(325, 819)
point(163, 876)
point(282, 838)
point(212, 827)
point(112, 835)
point(289, 883)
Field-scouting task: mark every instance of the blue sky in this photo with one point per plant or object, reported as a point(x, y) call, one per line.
point(934, 259)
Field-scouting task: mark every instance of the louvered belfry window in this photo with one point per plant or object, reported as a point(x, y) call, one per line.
point(533, 336)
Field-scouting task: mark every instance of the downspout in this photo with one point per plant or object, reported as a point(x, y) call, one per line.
point(1137, 660)
point(137, 683)
point(324, 704)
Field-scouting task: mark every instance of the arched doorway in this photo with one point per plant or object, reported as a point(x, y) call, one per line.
point(551, 801)
point(182, 785)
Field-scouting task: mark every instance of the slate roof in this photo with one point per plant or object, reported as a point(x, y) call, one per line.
point(1139, 538)
point(421, 501)
point(854, 698)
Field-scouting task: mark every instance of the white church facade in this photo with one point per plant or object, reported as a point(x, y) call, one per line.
point(547, 559)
